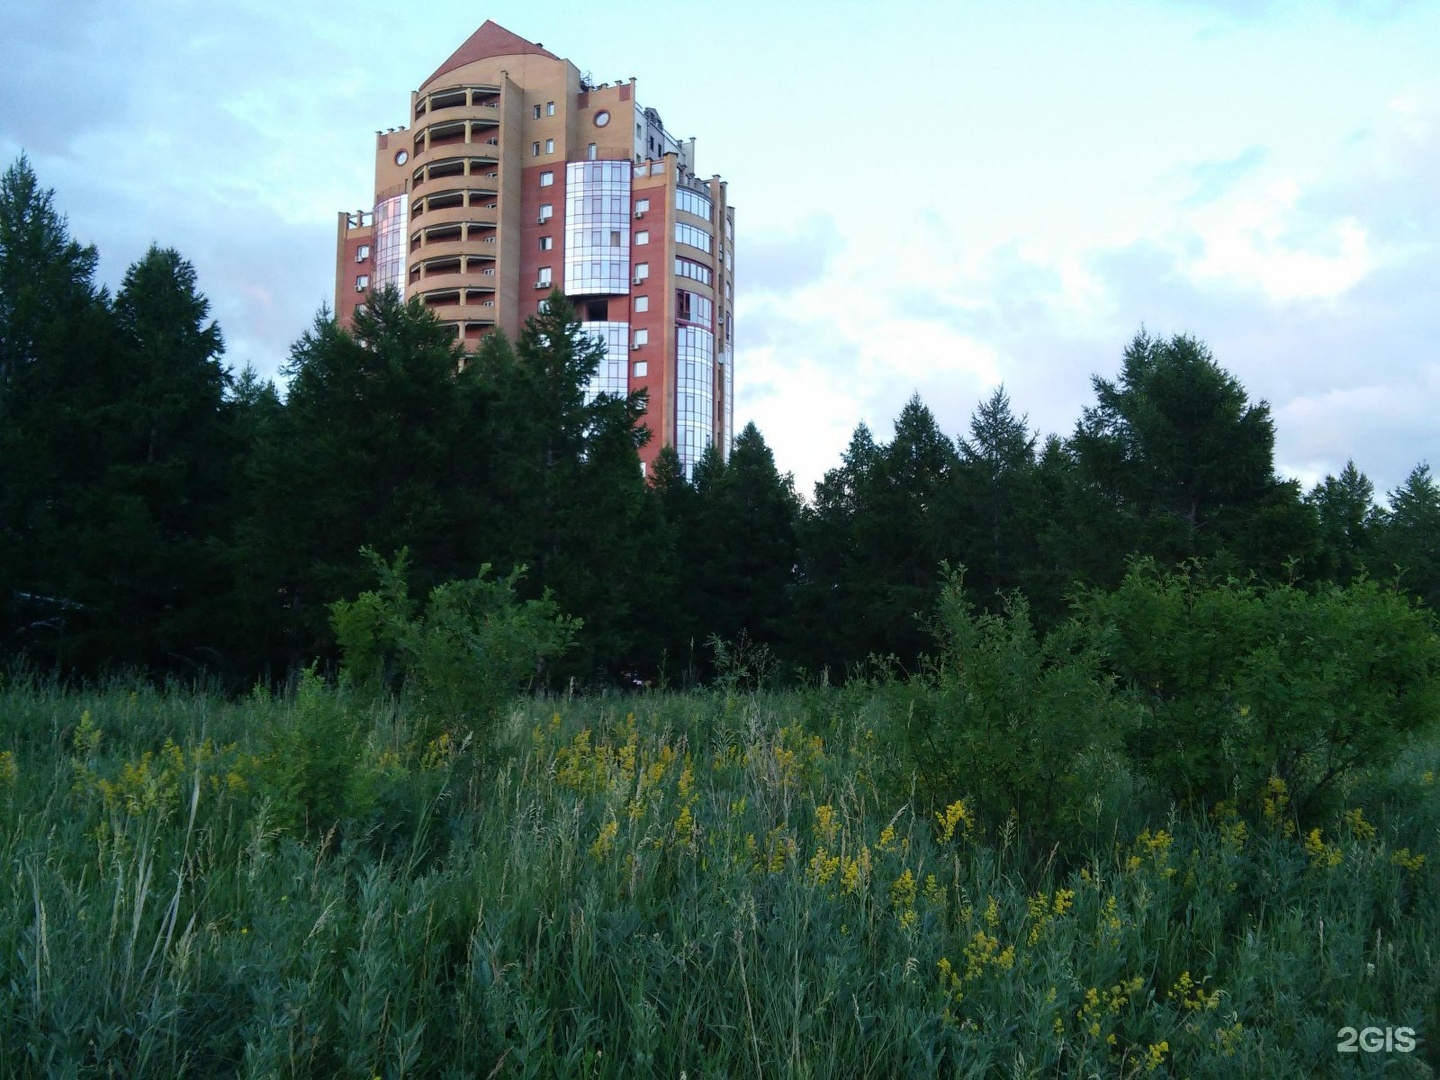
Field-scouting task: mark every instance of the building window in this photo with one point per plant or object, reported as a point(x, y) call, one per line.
point(537, 112)
point(590, 152)
point(614, 237)
point(546, 243)
point(693, 270)
point(689, 234)
point(547, 178)
point(642, 205)
point(642, 237)
point(692, 202)
point(549, 108)
point(642, 368)
point(642, 271)
point(534, 149)
point(544, 276)
point(362, 253)
point(547, 211)
point(362, 282)
point(549, 146)
point(642, 337)
point(642, 303)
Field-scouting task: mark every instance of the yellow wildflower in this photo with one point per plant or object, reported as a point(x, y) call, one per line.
point(1413, 863)
point(1155, 1056)
point(1359, 827)
point(605, 840)
point(1322, 855)
point(826, 826)
point(957, 813)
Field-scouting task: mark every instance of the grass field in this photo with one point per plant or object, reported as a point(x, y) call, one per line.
point(698, 885)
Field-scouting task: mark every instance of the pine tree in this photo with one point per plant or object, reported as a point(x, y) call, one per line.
point(1181, 464)
point(378, 445)
point(1409, 541)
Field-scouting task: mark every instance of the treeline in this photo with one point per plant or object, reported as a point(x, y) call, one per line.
point(160, 511)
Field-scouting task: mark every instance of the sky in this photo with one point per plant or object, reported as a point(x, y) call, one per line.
point(932, 198)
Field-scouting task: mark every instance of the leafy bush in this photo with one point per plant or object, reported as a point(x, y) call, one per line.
point(311, 760)
point(1018, 724)
point(463, 656)
point(1240, 682)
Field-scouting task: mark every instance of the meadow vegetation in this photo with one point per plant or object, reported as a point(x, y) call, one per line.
point(339, 880)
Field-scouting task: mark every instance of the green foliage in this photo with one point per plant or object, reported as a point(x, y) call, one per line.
point(1180, 464)
point(310, 764)
point(1240, 682)
point(1020, 723)
point(462, 657)
point(710, 885)
point(1409, 540)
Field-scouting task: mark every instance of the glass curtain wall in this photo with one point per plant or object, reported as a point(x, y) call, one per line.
point(694, 393)
point(611, 377)
point(392, 220)
point(597, 228)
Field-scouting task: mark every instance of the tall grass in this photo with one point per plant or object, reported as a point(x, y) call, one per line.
point(699, 885)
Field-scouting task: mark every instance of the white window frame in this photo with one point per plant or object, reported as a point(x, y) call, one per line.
point(547, 178)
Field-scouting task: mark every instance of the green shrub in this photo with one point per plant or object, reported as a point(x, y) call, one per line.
point(1239, 682)
point(462, 658)
point(311, 764)
point(1017, 723)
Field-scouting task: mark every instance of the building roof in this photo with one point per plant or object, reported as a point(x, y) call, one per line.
point(491, 39)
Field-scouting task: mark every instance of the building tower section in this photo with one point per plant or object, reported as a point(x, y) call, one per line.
point(516, 176)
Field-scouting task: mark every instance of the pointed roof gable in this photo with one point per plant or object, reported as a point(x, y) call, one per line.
point(491, 39)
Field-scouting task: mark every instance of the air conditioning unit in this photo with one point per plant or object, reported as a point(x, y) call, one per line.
point(361, 287)
point(487, 303)
point(635, 347)
point(638, 281)
point(639, 214)
point(542, 284)
point(489, 271)
point(542, 219)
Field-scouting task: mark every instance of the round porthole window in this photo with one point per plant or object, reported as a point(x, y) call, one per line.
point(602, 118)
point(402, 157)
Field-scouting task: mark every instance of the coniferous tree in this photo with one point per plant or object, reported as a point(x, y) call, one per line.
point(1347, 519)
point(377, 446)
point(1409, 541)
point(150, 548)
point(567, 495)
point(739, 547)
point(909, 529)
point(830, 626)
point(1181, 465)
point(54, 327)
point(997, 487)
